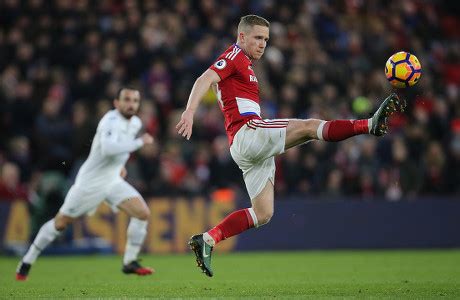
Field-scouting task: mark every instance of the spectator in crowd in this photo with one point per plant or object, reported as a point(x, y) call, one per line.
point(53, 135)
point(434, 173)
point(61, 62)
point(454, 161)
point(20, 154)
point(11, 188)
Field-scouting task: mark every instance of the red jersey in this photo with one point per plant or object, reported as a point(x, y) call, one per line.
point(238, 90)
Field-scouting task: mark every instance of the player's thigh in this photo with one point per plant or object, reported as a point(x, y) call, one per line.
point(301, 131)
point(124, 196)
point(135, 207)
point(257, 175)
point(258, 141)
point(80, 201)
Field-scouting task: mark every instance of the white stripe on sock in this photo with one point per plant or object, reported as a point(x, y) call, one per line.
point(253, 216)
point(208, 239)
point(319, 131)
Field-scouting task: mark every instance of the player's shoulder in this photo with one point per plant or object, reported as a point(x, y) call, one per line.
point(110, 117)
point(136, 121)
point(234, 53)
point(233, 56)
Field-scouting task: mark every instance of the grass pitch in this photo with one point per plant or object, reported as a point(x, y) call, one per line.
point(312, 274)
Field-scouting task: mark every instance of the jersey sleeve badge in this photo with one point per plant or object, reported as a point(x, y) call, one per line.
point(220, 64)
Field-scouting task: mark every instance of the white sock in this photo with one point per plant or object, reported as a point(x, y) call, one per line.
point(45, 236)
point(369, 124)
point(137, 230)
point(208, 239)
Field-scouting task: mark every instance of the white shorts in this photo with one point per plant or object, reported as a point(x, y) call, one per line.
point(80, 201)
point(254, 148)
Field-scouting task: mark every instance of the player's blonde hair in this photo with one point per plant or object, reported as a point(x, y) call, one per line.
point(247, 22)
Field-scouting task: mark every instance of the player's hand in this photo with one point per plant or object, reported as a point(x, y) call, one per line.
point(123, 172)
point(185, 124)
point(147, 139)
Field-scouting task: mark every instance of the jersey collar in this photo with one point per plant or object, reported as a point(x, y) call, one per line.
point(238, 46)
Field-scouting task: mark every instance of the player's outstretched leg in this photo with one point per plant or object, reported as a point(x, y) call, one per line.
point(47, 234)
point(22, 271)
point(391, 104)
point(203, 253)
point(300, 131)
point(135, 267)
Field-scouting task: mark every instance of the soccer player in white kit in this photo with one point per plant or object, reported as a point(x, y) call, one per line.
point(255, 141)
point(99, 179)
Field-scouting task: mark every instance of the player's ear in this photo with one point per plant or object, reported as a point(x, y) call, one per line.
point(241, 36)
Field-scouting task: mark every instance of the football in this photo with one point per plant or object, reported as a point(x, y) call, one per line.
point(403, 69)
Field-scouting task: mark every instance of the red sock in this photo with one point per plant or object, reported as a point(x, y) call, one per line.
point(235, 223)
point(338, 130)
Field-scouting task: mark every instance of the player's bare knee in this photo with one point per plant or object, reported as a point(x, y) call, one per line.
point(310, 127)
point(264, 219)
point(143, 215)
point(61, 222)
point(263, 215)
point(59, 225)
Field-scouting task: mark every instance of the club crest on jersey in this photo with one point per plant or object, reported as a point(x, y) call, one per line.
point(252, 78)
point(220, 64)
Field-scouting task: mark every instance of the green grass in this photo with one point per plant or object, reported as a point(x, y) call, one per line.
point(325, 274)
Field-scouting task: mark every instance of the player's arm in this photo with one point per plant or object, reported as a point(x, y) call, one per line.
point(200, 87)
point(110, 145)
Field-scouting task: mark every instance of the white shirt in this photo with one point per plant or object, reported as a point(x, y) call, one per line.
point(115, 139)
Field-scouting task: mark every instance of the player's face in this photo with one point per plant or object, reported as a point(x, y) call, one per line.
point(128, 103)
point(255, 40)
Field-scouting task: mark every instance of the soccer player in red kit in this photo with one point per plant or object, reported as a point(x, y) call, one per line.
point(255, 141)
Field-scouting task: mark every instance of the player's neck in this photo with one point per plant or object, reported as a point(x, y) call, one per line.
point(127, 118)
point(244, 51)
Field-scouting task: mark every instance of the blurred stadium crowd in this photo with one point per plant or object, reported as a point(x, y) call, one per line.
point(62, 62)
